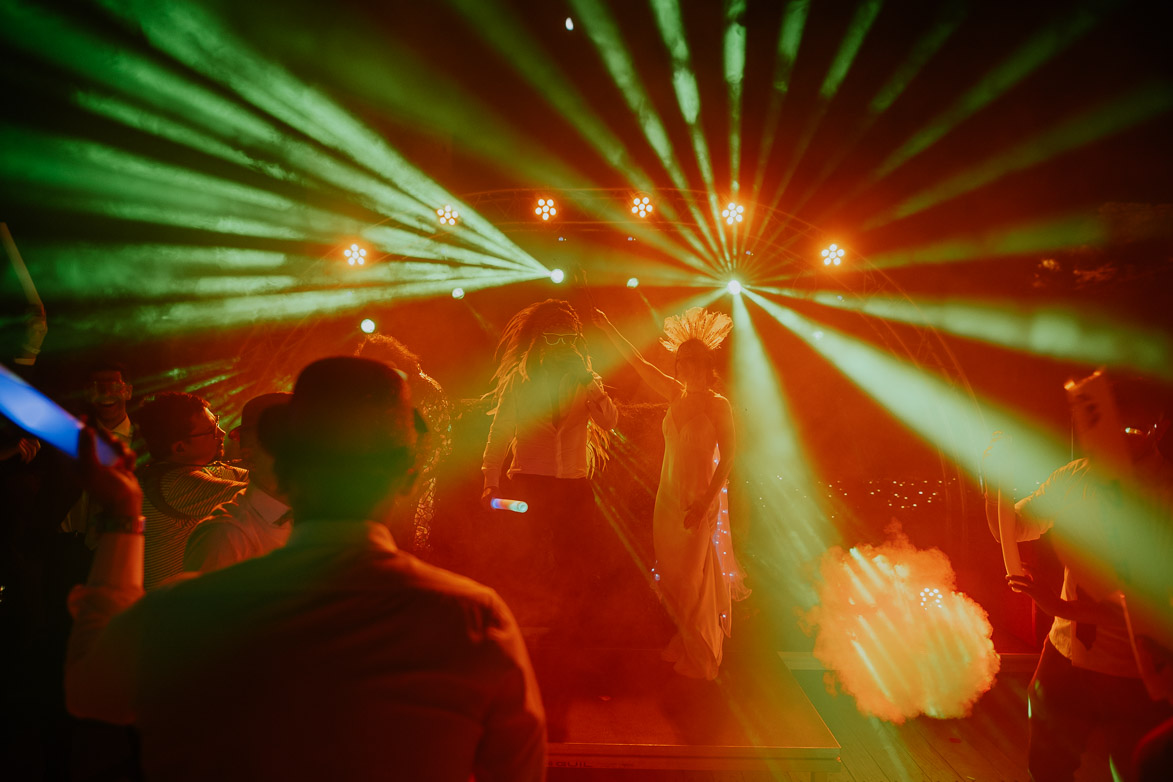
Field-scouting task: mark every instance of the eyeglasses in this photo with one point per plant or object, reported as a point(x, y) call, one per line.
point(206, 433)
point(553, 338)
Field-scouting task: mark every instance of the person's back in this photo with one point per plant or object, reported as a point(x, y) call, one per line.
point(335, 657)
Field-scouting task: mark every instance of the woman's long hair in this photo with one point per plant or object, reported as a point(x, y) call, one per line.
point(513, 354)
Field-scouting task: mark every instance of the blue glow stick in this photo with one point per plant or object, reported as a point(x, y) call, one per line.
point(43, 418)
point(517, 506)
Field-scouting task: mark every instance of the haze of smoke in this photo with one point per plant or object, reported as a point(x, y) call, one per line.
point(899, 647)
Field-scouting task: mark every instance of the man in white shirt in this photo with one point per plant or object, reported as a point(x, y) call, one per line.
point(256, 520)
point(334, 657)
point(1087, 676)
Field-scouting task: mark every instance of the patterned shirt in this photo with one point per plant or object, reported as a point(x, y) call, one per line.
point(176, 497)
point(251, 524)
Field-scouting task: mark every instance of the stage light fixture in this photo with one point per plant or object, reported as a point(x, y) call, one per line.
point(569, 23)
point(734, 287)
point(833, 255)
point(355, 255)
point(641, 206)
point(458, 293)
point(557, 275)
point(448, 215)
point(367, 326)
point(633, 282)
point(931, 596)
point(734, 213)
point(545, 209)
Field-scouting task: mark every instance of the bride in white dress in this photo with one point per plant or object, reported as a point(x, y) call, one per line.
point(698, 575)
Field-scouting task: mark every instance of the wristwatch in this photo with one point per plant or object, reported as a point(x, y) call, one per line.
point(116, 522)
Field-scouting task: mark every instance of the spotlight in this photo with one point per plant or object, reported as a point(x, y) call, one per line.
point(633, 283)
point(641, 206)
point(734, 287)
point(833, 255)
point(355, 255)
point(569, 23)
point(545, 208)
point(367, 326)
point(931, 596)
point(448, 215)
point(458, 293)
point(557, 275)
point(734, 213)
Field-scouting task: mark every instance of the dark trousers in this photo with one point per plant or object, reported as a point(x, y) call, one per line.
point(558, 552)
point(1067, 703)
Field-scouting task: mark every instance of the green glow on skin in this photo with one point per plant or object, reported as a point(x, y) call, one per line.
point(1069, 333)
point(789, 38)
point(1111, 117)
point(774, 462)
point(1070, 27)
point(605, 36)
point(959, 424)
point(1036, 237)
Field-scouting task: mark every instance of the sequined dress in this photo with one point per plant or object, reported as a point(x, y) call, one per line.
point(697, 573)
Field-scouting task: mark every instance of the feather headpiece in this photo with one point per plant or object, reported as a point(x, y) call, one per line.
point(710, 328)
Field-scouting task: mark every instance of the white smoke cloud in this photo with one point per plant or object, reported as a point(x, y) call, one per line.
point(897, 636)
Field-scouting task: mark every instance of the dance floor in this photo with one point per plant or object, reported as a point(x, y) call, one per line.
point(626, 709)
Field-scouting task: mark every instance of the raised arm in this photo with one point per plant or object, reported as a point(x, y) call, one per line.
point(102, 661)
point(662, 384)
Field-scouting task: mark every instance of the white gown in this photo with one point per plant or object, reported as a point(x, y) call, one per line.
point(697, 574)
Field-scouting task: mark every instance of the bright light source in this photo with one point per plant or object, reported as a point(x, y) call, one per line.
point(448, 215)
point(367, 326)
point(355, 255)
point(734, 287)
point(641, 206)
point(633, 283)
point(931, 596)
point(458, 293)
point(557, 275)
point(734, 213)
point(569, 23)
point(833, 255)
point(545, 209)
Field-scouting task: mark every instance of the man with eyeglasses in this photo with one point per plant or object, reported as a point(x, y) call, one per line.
point(184, 481)
point(255, 521)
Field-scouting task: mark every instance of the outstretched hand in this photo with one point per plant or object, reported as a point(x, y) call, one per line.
point(113, 486)
point(600, 319)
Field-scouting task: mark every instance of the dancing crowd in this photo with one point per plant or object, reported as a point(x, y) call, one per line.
point(277, 616)
point(265, 617)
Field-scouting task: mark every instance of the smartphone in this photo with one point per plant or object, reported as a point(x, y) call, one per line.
point(43, 418)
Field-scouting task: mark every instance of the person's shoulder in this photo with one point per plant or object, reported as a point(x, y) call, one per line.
point(719, 403)
point(429, 579)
